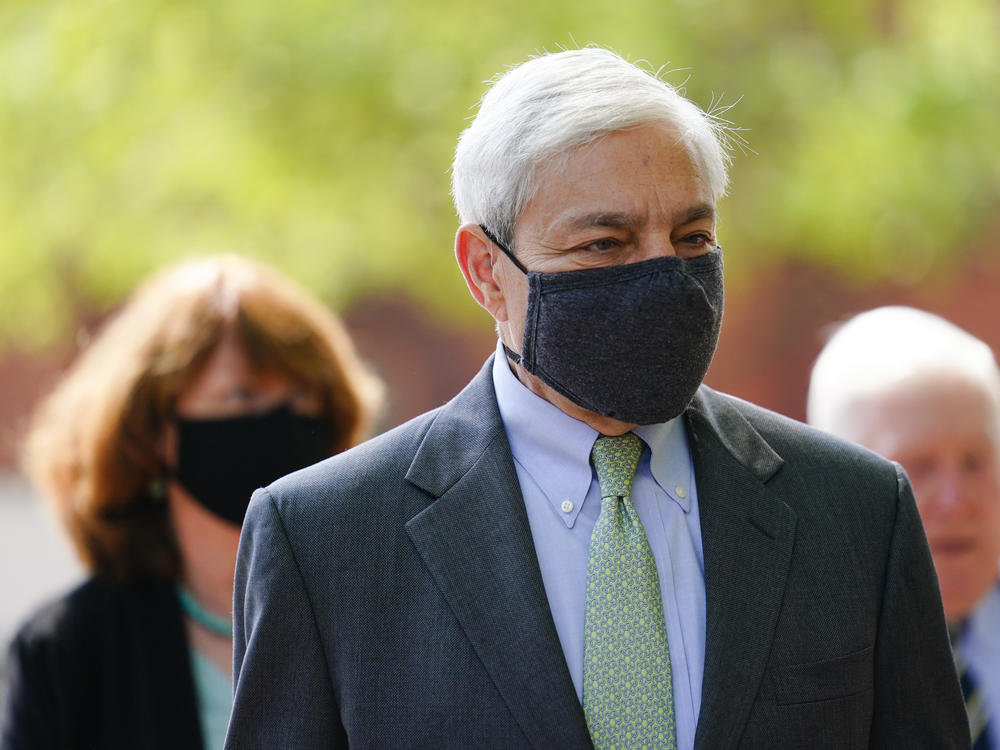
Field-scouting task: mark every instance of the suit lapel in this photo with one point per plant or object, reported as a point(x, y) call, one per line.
point(476, 541)
point(747, 533)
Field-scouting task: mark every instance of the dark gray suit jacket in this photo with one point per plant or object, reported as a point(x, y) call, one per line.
point(390, 597)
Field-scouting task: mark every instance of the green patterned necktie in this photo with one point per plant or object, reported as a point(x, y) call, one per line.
point(627, 690)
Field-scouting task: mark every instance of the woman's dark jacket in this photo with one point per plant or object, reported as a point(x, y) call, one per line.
point(104, 668)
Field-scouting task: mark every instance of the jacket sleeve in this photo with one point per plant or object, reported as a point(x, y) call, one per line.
point(918, 702)
point(283, 692)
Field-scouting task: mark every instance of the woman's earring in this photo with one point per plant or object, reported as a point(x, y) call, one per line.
point(158, 489)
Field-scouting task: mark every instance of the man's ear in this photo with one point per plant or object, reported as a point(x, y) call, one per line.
point(476, 256)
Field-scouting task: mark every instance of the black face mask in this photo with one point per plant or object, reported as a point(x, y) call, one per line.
point(220, 462)
point(632, 342)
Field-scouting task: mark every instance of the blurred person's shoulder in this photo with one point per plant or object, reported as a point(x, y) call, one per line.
point(78, 623)
point(64, 616)
point(81, 614)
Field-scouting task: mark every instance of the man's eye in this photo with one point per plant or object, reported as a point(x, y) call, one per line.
point(699, 240)
point(603, 245)
point(972, 463)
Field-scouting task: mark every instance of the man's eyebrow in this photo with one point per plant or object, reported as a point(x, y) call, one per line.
point(619, 219)
point(614, 219)
point(704, 211)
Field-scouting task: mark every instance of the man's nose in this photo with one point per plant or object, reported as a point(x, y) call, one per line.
point(656, 245)
point(950, 495)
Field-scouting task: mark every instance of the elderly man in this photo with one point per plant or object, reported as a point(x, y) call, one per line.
point(586, 548)
point(921, 391)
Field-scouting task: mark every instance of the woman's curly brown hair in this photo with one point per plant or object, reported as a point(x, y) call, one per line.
point(93, 444)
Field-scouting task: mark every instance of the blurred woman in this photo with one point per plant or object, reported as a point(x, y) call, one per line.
point(217, 377)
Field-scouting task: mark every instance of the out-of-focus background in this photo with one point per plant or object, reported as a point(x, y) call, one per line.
point(317, 136)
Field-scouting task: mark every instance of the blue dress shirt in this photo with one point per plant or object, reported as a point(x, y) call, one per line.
point(980, 646)
point(552, 457)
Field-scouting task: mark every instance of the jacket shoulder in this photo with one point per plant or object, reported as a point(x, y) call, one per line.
point(442, 440)
point(792, 440)
point(378, 459)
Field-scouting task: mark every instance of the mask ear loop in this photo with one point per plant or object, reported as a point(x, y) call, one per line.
point(506, 250)
point(511, 354)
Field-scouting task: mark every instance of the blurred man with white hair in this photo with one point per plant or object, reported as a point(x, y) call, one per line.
point(585, 547)
point(917, 389)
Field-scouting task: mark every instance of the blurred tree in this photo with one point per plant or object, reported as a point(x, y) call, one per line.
point(318, 135)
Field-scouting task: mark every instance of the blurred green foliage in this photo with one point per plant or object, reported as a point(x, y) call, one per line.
point(318, 135)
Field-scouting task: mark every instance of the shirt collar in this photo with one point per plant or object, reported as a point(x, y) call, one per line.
point(554, 448)
point(986, 617)
point(549, 444)
point(670, 459)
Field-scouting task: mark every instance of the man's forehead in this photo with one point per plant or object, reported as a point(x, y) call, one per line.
point(923, 412)
point(624, 179)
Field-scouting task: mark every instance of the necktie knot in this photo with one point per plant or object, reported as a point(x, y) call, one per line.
point(615, 458)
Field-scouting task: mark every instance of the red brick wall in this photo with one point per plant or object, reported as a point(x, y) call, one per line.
point(775, 327)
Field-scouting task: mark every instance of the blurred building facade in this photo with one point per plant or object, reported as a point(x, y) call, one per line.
point(774, 327)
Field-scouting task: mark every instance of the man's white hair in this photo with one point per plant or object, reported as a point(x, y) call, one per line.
point(881, 349)
point(548, 106)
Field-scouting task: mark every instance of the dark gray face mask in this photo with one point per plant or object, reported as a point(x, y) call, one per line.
point(631, 342)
